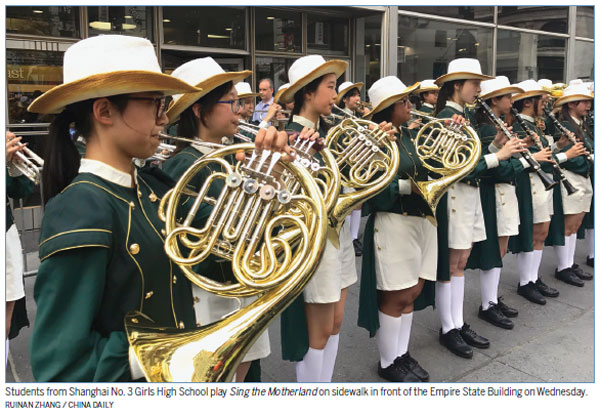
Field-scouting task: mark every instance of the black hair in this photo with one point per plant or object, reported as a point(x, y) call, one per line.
point(384, 115)
point(187, 126)
point(416, 100)
point(352, 92)
point(564, 115)
point(518, 105)
point(61, 158)
point(446, 93)
point(311, 87)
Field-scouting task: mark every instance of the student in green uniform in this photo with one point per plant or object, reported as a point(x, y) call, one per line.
point(536, 204)
point(498, 201)
point(310, 326)
point(17, 186)
point(428, 93)
point(459, 214)
point(101, 250)
point(213, 116)
point(348, 99)
point(395, 270)
point(576, 102)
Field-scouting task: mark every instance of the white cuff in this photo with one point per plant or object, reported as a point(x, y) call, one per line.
point(404, 187)
point(493, 148)
point(524, 162)
point(134, 365)
point(561, 157)
point(263, 124)
point(491, 160)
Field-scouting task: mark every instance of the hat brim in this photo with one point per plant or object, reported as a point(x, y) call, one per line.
point(574, 97)
point(246, 95)
point(461, 76)
point(106, 85)
point(342, 93)
point(529, 94)
point(502, 92)
point(426, 89)
point(391, 100)
point(186, 100)
point(277, 98)
point(334, 66)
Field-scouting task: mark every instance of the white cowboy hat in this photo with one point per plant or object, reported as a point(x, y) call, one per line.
point(204, 73)
point(386, 91)
point(344, 88)
point(499, 86)
point(531, 88)
point(545, 83)
point(107, 65)
point(575, 92)
point(427, 85)
point(463, 69)
point(309, 68)
point(280, 91)
point(244, 90)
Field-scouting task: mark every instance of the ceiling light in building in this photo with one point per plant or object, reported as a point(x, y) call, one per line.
point(476, 43)
point(228, 29)
point(377, 44)
point(128, 17)
point(128, 26)
point(217, 36)
point(166, 20)
point(270, 17)
point(462, 49)
point(38, 11)
point(100, 25)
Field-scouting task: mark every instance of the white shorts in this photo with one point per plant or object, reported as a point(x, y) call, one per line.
point(405, 250)
point(465, 217)
point(579, 201)
point(541, 200)
point(211, 308)
point(336, 271)
point(14, 265)
point(507, 210)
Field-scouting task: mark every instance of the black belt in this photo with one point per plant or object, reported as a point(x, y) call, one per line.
point(472, 183)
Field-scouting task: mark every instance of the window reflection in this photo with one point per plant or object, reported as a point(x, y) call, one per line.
point(327, 35)
point(584, 60)
point(367, 65)
point(275, 68)
point(524, 56)
point(43, 21)
point(585, 21)
point(546, 18)
point(129, 20)
point(481, 14)
point(425, 47)
point(278, 30)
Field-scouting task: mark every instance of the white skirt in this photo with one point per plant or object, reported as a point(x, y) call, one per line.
point(507, 210)
point(465, 217)
point(581, 200)
point(541, 200)
point(211, 308)
point(405, 250)
point(14, 265)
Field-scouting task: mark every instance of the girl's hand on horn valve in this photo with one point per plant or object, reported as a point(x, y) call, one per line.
point(271, 140)
point(311, 135)
point(388, 128)
point(458, 119)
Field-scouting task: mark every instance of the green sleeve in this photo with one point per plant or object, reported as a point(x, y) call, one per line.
point(579, 164)
point(18, 187)
point(64, 345)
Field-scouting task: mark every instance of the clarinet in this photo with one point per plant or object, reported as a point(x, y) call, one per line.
point(566, 132)
point(546, 180)
point(555, 168)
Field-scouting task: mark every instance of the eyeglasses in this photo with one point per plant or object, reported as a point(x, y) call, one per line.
point(161, 104)
point(403, 101)
point(236, 105)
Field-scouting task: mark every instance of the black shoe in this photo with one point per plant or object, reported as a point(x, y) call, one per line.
point(506, 310)
point(568, 276)
point(589, 261)
point(472, 338)
point(358, 247)
point(412, 365)
point(397, 372)
point(581, 273)
point(545, 290)
point(531, 293)
point(455, 343)
point(494, 315)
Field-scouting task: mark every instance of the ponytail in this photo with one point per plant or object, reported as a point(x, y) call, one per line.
point(446, 93)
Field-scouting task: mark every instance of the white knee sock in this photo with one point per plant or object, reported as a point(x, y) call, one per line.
point(524, 261)
point(355, 223)
point(535, 265)
point(562, 255)
point(404, 336)
point(310, 367)
point(589, 239)
point(387, 338)
point(572, 246)
point(443, 302)
point(458, 297)
point(329, 356)
point(489, 286)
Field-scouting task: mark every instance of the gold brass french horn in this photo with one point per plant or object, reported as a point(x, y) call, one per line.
point(245, 226)
point(449, 151)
